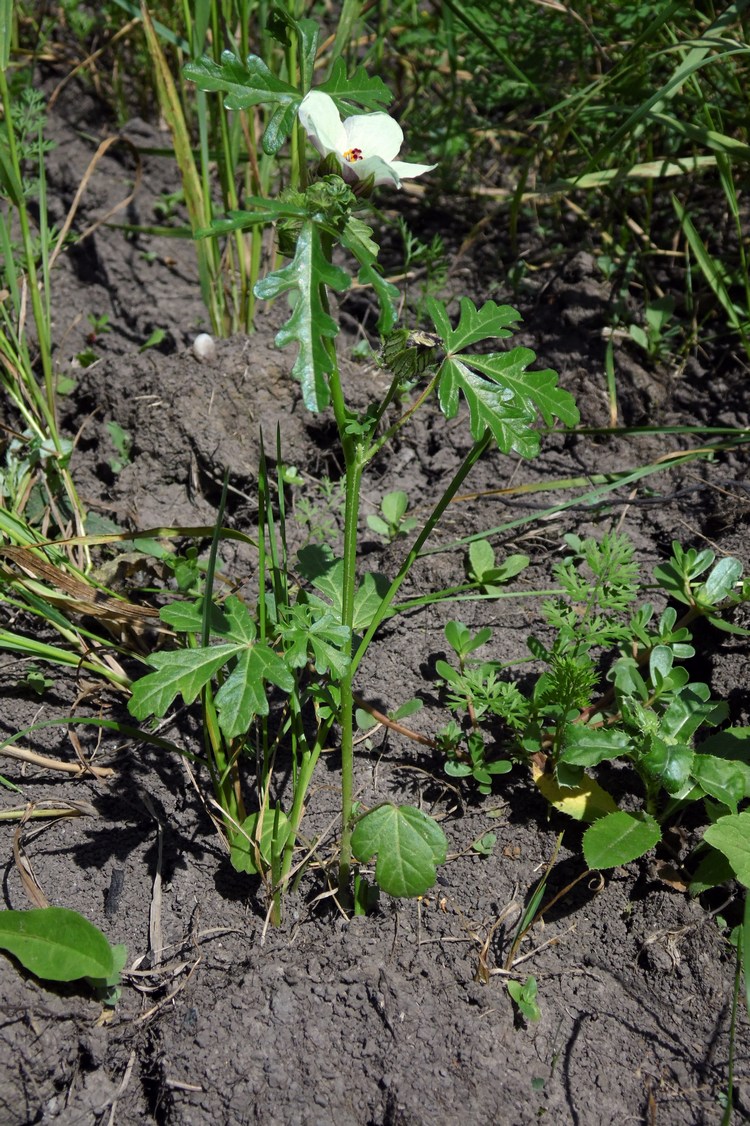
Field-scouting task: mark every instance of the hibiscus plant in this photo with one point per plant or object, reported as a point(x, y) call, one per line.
point(308, 641)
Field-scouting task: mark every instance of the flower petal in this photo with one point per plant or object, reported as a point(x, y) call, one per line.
point(375, 166)
point(376, 134)
point(320, 120)
point(406, 171)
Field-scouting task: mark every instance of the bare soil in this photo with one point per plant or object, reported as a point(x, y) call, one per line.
point(384, 1019)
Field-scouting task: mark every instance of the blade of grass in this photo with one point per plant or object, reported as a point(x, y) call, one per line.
point(198, 204)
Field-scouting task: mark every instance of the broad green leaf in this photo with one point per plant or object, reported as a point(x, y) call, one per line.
point(310, 323)
point(409, 845)
point(481, 558)
point(457, 769)
point(311, 629)
point(185, 617)
point(525, 996)
point(670, 763)
point(689, 710)
point(244, 847)
point(57, 944)
point(627, 679)
point(181, 673)
point(660, 663)
point(240, 621)
point(588, 746)
point(366, 601)
point(731, 836)
point(619, 838)
point(721, 779)
point(733, 744)
point(714, 869)
point(461, 639)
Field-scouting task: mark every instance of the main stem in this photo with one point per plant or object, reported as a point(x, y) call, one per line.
point(354, 463)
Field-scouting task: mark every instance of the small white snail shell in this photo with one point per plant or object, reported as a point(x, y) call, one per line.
point(204, 347)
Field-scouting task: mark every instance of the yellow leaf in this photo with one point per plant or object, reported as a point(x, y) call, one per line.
point(584, 803)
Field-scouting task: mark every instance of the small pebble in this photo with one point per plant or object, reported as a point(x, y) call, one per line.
point(204, 347)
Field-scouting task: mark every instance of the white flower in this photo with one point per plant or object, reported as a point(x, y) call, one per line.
point(365, 145)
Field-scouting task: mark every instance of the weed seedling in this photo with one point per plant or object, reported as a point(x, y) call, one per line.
point(392, 521)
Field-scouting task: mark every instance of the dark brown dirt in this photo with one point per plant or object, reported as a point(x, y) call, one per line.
point(380, 1020)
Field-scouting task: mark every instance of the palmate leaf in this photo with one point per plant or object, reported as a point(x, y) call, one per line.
point(249, 84)
point(313, 631)
point(242, 696)
point(490, 407)
point(492, 321)
point(310, 322)
point(501, 394)
point(359, 90)
point(243, 84)
point(367, 600)
point(185, 672)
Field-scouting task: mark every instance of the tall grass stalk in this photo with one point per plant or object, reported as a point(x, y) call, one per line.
point(26, 275)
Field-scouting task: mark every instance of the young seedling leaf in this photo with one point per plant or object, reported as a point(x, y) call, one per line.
point(57, 944)
point(244, 846)
point(720, 582)
point(731, 836)
point(618, 838)
point(409, 846)
point(525, 996)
